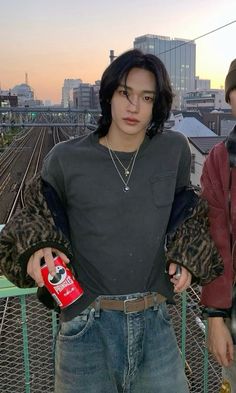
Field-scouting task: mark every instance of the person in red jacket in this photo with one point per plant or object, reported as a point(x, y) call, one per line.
point(218, 182)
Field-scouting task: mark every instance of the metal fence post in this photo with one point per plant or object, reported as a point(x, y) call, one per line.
point(25, 343)
point(205, 382)
point(183, 326)
point(54, 324)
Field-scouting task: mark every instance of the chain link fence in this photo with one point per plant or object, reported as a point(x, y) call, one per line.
point(27, 332)
point(26, 345)
point(203, 373)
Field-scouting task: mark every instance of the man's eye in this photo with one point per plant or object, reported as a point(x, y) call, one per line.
point(123, 93)
point(148, 98)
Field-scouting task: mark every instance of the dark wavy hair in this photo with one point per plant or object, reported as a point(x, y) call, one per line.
point(118, 70)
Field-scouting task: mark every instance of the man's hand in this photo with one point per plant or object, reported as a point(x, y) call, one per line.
point(220, 342)
point(34, 269)
point(182, 280)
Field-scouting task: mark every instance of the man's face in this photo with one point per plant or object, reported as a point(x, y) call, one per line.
point(132, 103)
point(232, 101)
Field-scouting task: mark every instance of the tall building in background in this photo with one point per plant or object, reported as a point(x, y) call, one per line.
point(95, 95)
point(179, 57)
point(86, 96)
point(67, 91)
point(82, 96)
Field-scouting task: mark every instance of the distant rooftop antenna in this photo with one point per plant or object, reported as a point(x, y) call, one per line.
point(26, 78)
point(112, 56)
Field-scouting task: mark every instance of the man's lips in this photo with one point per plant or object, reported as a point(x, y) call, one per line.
point(131, 120)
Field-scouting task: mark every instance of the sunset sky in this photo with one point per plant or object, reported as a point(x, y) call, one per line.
point(53, 39)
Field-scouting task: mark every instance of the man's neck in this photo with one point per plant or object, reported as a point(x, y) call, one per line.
point(129, 143)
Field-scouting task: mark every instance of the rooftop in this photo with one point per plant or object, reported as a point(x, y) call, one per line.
point(205, 144)
point(191, 127)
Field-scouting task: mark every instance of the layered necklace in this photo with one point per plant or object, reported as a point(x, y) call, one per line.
point(127, 169)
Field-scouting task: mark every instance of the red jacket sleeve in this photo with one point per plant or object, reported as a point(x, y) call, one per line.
point(215, 186)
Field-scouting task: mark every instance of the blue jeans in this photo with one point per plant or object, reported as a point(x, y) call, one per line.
point(113, 352)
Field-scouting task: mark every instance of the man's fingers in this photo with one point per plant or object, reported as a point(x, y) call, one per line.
point(230, 353)
point(172, 268)
point(36, 269)
point(29, 267)
point(49, 260)
point(34, 264)
point(183, 282)
point(62, 255)
point(223, 354)
point(222, 359)
point(219, 341)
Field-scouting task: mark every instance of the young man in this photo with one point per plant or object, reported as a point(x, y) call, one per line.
point(219, 189)
point(117, 186)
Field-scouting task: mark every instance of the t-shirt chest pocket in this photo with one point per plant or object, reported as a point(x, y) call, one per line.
point(163, 188)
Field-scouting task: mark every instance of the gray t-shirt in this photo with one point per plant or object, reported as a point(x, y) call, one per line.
point(118, 237)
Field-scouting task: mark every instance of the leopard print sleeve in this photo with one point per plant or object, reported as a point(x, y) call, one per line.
point(192, 246)
point(29, 230)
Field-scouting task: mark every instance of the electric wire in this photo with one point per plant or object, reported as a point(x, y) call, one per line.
point(197, 38)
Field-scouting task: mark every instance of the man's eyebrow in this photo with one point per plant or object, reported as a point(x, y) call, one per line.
point(130, 88)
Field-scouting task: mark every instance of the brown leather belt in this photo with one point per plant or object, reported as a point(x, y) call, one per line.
point(130, 305)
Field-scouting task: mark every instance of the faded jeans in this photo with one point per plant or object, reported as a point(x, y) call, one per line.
point(114, 352)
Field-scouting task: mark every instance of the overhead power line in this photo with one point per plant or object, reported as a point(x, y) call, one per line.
point(197, 38)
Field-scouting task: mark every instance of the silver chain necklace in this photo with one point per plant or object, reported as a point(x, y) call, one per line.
point(126, 187)
point(126, 169)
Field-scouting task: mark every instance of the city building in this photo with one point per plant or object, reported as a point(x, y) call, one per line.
point(67, 91)
point(200, 147)
point(34, 103)
point(95, 95)
point(202, 84)
point(82, 96)
point(221, 122)
point(24, 93)
point(86, 96)
point(48, 103)
point(205, 99)
point(179, 57)
point(7, 99)
point(190, 126)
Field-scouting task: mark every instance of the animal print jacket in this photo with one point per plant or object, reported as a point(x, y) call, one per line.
point(43, 223)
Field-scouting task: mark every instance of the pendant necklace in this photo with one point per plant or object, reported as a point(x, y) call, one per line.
point(126, 169)
point(126, 187)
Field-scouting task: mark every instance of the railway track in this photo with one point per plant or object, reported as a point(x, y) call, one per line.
point(38, 144)
point(30, 171)
point(21, 162)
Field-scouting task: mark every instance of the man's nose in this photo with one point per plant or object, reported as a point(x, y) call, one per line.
point(133, 105)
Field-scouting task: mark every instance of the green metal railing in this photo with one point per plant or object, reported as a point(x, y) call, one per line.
point(27, 332)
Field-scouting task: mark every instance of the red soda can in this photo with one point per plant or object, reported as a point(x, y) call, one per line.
point(63, 287)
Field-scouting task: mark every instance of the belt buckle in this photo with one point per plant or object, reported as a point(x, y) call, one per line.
point(125, 305)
